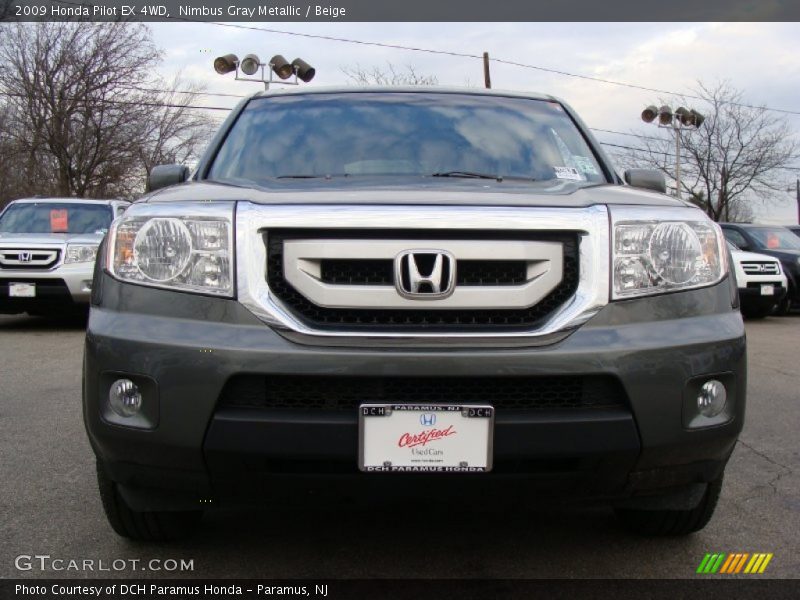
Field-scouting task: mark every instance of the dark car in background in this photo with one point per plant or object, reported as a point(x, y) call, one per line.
point(772, 240)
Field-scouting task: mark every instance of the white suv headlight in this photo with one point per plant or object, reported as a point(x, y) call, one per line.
point(80, 253)
point(682, 250)
point(182, 246)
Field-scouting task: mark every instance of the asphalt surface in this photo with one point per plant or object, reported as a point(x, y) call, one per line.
point(49, 503)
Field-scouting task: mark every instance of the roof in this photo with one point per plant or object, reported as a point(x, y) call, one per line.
point(433, 89)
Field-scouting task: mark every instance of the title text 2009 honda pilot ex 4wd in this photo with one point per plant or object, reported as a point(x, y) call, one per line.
point(424, 288)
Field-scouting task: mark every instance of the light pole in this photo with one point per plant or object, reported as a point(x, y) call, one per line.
point(681, 119)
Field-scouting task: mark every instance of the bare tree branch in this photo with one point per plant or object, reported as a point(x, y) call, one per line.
point(81, 117)
point(391, 75)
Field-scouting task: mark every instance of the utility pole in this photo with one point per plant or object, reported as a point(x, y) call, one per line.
point(487, 80)
point(797, 189)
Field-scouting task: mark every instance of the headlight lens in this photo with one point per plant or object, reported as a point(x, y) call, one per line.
point(80, 253)
point(192, 253)
point(652, 257)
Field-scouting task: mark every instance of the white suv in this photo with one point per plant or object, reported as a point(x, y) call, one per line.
point(762, 283)
point(47, 253)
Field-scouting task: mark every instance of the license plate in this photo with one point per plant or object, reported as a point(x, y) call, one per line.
point(424, 437)
point(22, 290)
point(767, 290)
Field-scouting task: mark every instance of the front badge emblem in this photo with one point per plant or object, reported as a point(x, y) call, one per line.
point(425, 274)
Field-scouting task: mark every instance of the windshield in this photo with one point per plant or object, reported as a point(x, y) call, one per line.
point(53, 217)
point(775, 238)
point(405, 134)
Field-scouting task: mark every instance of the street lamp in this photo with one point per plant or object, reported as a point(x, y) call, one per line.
point(681, 119)
point(277, 65)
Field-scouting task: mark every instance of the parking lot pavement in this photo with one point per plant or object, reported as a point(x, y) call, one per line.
point(50, 505)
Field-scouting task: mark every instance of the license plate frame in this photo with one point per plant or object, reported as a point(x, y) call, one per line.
point(21, 290)
point(410, 442)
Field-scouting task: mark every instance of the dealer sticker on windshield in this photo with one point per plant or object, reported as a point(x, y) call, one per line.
point(568, 173)
point(425, 438)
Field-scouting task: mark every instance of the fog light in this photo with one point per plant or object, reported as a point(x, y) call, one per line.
point(711, 399)
point(124, 398)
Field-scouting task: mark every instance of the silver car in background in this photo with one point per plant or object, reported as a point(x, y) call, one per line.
point(48, 248)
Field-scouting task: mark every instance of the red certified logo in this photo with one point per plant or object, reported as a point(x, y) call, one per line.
point(408, 440)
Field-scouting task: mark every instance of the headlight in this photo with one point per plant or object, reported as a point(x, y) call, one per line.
point(655, 256)
point(180, 246)
point(80, 253)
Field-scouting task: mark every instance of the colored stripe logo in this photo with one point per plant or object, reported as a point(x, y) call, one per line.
point(734, 563)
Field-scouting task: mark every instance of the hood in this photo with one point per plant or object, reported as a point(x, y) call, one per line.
point(45, 239)
point(784, 254)
point(415, 191)
point(742, 255)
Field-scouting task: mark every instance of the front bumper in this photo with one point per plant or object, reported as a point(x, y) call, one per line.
point(189, 346)
point(751, 296)
point(66, 287)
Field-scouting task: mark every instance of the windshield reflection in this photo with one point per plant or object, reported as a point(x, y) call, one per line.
point(405, 134)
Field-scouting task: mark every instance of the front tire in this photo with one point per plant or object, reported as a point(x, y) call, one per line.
point(148, 526)
point(672, 522)
point(784, 306)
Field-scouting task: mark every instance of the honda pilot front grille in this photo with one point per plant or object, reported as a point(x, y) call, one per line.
point(547, 260)
point(760, 268)
point(28, 259)
point(380, 272)
point(346, 393)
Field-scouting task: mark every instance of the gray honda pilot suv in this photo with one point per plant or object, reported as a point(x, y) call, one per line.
point(418, 289)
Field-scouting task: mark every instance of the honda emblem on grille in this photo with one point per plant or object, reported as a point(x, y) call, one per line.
point(425, 274)
point(25, 256)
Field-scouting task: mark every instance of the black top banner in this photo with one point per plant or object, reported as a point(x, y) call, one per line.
point(401, 10)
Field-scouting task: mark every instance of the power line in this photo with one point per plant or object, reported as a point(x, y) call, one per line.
point(190, 92)
point(672, 154)
point(453, 53)
point(138, 103)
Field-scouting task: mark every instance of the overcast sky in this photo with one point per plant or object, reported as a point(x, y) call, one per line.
point(755, 57)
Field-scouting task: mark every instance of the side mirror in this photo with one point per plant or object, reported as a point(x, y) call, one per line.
point(166, 175)
point(649, 179)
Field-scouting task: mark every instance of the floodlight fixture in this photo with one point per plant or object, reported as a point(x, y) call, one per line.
point(697, 118)
point(277, 70)
point(250, 64)
point(303, 70)
point(226, 64)
point(649, 114)
point(281, 67)
point(665, 115)
point(684, 116)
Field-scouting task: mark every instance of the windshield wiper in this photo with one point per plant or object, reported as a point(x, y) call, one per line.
point(477, 175)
